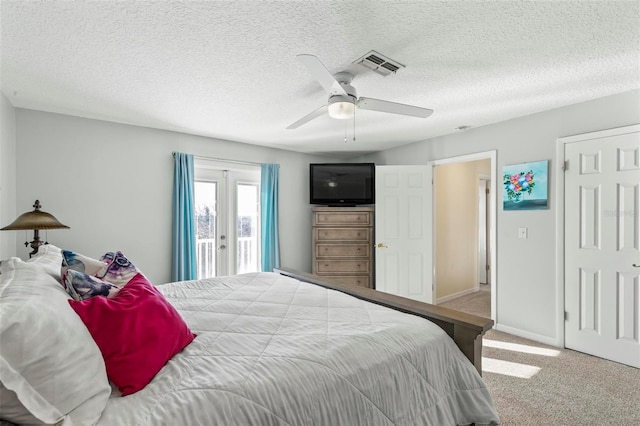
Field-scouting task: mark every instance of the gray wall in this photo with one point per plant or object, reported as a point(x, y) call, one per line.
point(112, 183)
point(7, 176)
point(526, 281)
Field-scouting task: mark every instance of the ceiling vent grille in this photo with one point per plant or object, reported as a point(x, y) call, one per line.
point(379, 63)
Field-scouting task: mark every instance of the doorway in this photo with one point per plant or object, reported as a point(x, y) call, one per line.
point(398, 220)
point(465, 233)
point(227, 208)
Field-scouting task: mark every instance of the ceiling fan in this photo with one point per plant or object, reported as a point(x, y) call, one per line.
point(343, 99)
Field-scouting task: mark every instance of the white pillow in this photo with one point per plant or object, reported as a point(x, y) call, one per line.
point(49, 258)
point(11, 408)
point(47, 356)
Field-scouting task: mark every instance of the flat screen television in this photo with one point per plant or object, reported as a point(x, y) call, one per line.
point(342, 184)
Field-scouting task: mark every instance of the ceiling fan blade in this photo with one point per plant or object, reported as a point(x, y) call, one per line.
point(393, 107)
point(315, 114)
point(322, 74)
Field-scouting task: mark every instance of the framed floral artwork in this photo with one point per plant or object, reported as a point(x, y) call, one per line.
point(526, 186)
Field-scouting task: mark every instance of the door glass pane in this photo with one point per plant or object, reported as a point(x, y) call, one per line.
point(206, 195)
point(247, 228)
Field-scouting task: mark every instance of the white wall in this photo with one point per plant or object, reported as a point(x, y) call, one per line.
point(112, 183)
point(526, 282)
point(7, 177)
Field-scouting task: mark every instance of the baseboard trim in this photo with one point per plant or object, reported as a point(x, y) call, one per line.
point(456, 295)
point(528, 335)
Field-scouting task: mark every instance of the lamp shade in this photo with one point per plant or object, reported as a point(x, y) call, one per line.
point(341, 106)
point(35, 220)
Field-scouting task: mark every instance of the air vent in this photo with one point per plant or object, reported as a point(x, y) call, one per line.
point(379, 63)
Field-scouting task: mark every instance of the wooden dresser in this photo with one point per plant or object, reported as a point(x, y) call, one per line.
point(343, 244)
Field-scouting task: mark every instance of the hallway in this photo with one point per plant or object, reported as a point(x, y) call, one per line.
point(478, 303)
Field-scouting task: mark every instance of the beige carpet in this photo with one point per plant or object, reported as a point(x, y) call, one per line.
point(478, 303)
point(536, 384)
point(570, 388)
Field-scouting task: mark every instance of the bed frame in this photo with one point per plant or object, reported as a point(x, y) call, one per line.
point(466, 330)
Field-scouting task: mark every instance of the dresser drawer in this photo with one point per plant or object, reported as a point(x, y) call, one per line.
point(342, 234)
point(342, 218)
point(343, 250)
point(355, 280)
point(342, 266)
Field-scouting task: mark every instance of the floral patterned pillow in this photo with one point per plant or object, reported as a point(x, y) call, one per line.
point(81, 263)
point(81, 286)
point(113, 268)
point(119, 270)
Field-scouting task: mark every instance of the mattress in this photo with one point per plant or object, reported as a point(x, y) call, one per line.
point(271, 350)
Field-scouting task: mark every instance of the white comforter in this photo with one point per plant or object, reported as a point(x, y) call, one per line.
point(272, 350)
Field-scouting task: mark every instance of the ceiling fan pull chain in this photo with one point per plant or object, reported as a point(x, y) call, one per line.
point(354, 124)
point(345, 132)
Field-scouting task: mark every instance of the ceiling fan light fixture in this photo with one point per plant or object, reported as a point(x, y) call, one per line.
point(343, 98)
point(341, 107)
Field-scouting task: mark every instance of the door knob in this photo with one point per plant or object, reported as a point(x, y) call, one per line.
point(222, 247)
point(380, 245)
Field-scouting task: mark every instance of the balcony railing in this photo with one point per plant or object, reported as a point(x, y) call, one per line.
point(206, 252)
point(206, 257)
point(247, 255)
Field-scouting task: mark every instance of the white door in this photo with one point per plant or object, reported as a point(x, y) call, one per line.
point(244, 203)
point(404, 234)
point(602, 256)
point(210, 193)
point(227, 222)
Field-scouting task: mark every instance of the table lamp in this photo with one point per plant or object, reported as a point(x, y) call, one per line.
point(35, 220)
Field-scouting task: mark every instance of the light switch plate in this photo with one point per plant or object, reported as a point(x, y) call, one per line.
point(522, 232)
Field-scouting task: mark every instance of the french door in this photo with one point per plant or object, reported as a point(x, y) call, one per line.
point(227, 210)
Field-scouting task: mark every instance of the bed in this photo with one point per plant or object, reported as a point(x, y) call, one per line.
point(275, 349)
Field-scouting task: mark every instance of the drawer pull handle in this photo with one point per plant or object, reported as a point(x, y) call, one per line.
point(358, 251)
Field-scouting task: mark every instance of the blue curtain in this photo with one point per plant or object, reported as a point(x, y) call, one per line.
point(183, 228)
point(269, 216)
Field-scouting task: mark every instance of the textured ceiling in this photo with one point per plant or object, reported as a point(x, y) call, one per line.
point(229, 70)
